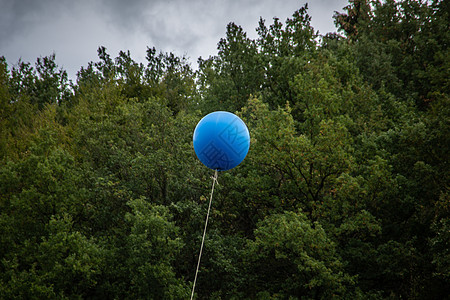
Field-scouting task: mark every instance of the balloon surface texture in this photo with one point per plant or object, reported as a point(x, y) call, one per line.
point(221, 140)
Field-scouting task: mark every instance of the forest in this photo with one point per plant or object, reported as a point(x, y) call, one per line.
point(344, 193)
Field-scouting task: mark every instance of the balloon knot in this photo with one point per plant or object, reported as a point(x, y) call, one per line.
point(216, 174)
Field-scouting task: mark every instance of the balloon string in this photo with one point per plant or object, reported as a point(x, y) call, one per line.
point(204, 232)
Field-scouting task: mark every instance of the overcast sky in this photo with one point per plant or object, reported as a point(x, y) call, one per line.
point(73, 30)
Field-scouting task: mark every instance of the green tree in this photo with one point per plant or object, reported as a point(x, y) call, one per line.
point(285, 49)
point(69, 262)
point(228, 79)
point(38, 192)
point(152, 246)
point(165, 76)
point(293, 258)
point(44, 84)
point(399, 45)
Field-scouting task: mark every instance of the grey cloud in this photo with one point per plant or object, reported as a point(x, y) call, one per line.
point(75, 29)
point(18, 16)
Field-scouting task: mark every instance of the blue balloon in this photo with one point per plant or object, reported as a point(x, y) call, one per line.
point(221, 140)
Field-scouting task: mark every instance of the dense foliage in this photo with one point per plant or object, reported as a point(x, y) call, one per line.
point(344, 193)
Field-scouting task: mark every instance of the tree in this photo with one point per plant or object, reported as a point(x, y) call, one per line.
point(285, 50)
point(44, 84)
point(165, 76)
point(399, 45)
point(228, 79)
point(152, 246)
point(245, 67)
point(290, 258)
point(343, 194)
